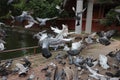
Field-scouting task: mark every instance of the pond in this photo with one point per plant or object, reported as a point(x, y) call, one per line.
point(18, 39)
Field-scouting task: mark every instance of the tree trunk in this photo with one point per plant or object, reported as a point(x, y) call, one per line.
point(89, 17)
point(79, 7)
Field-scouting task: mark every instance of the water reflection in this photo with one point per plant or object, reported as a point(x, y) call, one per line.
point(16, 40)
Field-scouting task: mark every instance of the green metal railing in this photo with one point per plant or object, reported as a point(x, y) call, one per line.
point(19, 49)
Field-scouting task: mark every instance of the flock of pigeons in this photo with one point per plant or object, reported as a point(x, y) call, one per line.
point(62, 39)
point(71, 65)
point(71, 45)
point(26, 16)
point(78, 64)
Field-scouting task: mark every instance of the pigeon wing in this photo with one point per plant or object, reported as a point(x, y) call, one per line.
point(81, 11)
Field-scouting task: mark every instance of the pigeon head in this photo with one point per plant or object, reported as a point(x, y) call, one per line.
point(46, 53)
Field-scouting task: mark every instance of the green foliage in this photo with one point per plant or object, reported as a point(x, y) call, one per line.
point(41, 8)
point(110, 18)
point(20, 5)
point(4, 9)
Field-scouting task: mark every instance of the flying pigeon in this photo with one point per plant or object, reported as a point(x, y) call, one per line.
point(59, 9)
point(25, 16)
point(9, 2)
point(117, 10)
point(78, 15)
point(42, 21)
point(64, 30)
point(2, 47)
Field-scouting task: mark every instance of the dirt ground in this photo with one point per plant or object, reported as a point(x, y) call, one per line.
point(39, 62)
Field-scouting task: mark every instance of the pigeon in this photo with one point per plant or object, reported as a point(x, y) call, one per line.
point(20, 18)
point(27, 63)
point(48, 75)
point(103, 61)
point(60, 75)
point(2, 47)
point(70, 58)
point(78, 61)
point(25, 16)
point(64, 30)
point(40, 35)
point(66, 48)
point(78, 15)
point(2, 35)
point(88, 40)
point(42, 21)
point(76, 48)
point(104, 41)
point(115, 55)
point(45, 42)
point(59, 9)
point(30, 24)
point(3, 70)
point(22, 70)
point(8, 63)
point(117, 74)
point(90, 62)
point(4, 78)
point(31, 77)
point(117, 10)
point(45, 68)
point(51, 42)
point(94, 73)
point(118, 55)
point(104, 37)
point(1, 23)
point(45, 51)
point(118, 18)
point(9, 2)
point(109, 34)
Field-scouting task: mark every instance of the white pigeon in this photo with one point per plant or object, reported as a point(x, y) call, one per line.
point(66, 48)
point(94, 73)
point(117, 10)
point(22, 69)
point(30, 24)
point(44, 35)
point(73, 8)
point(76, 45)
point(52, 64)
point(1, 23)
point(42, 21)
point(2, 46)
point(59, 8)
point(103, 61)
point(24, 13)
point(56, 30)
point(89, 40)
point(63, 31)
point(31, 77)
point(30, 20)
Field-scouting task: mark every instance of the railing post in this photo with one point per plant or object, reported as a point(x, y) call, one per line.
point(34, 51)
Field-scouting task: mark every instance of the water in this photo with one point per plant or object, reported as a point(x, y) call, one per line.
point(18, 39)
